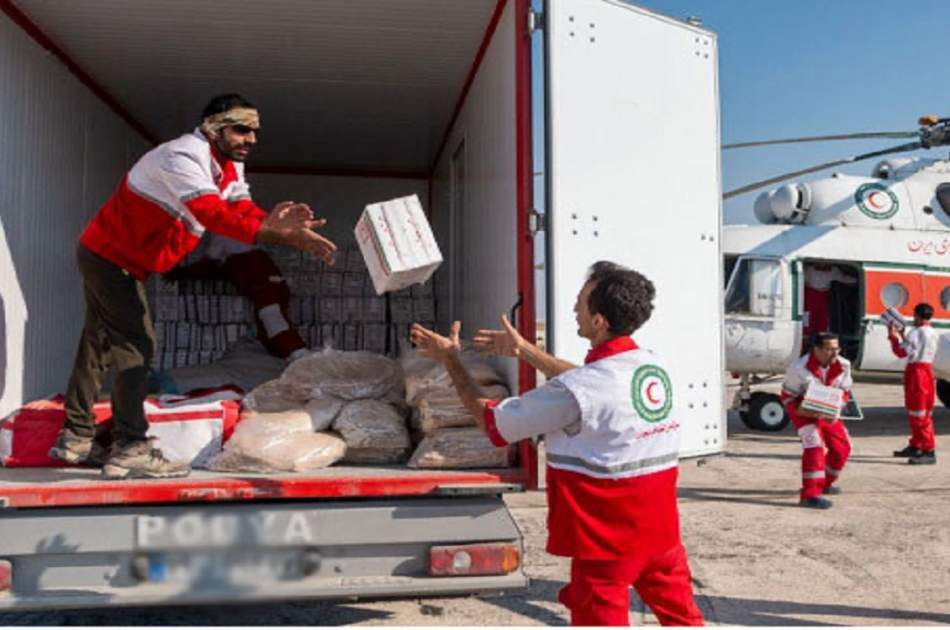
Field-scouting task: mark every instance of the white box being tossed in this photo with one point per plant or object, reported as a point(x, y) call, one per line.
point(397, 244)
point(823, 400)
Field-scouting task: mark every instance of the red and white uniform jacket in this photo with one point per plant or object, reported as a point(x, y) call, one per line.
point(920, 345)
point(805, 369)
point(612, 442)
point(166, 202)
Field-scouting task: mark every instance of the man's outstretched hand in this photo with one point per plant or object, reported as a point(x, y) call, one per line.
point(293, 224)
point(504, 343)
point(433, 345)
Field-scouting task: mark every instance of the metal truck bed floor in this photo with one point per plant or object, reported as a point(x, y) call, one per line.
point(62, 487)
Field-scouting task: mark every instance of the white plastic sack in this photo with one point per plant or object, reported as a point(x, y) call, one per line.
point(323, 411)
point(316, 415)
point(374, 432)
point(270, 397)
point(339, 374)
point(424, 375)
point(281, 442)
point(440, 408)
point(192, 428)
point(459, 448)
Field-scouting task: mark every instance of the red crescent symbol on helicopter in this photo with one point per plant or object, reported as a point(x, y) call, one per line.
point(871, 200)
point(650, 397)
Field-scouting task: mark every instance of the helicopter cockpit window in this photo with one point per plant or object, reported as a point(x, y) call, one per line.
point(755, 288)
point(729, 263)
point(943, 196)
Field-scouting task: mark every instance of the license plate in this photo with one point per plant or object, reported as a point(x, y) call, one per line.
point(228, 568)
point(199, 530)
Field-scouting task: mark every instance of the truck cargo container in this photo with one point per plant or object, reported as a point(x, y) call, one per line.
point(361, 101)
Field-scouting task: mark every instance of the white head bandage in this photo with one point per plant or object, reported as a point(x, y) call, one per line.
point(235, 116)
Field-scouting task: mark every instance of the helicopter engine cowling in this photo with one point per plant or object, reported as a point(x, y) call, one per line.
point(788, 204)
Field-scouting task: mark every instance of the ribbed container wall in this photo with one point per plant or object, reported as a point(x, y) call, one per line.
point(62, 152)
point(474, 197)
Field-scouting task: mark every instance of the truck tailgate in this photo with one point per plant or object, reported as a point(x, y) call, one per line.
point(62, 487)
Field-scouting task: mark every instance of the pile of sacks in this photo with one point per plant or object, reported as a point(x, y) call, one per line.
point(326, 407)
point(447, 434)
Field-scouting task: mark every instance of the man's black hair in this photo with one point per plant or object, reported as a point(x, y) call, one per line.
point(924, 311)
point(822, 337)
point(623, 296)
point(224, 102)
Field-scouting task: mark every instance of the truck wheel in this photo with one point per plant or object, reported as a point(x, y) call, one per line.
point(766, 413)
point(943, 391)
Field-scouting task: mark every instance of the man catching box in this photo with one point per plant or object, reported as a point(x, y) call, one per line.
point(612, 439)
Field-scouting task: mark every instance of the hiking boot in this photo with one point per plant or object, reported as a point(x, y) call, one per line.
point(923, 458)
point(76, 450)
point(831, 490)
point(140, 460)
point(816, 503)
point(908, 451)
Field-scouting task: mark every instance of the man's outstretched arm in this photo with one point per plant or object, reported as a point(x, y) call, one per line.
point(446, 351)
point(509, 343)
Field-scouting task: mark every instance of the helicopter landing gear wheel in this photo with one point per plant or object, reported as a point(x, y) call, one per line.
point(766, 413)
point(943, 391)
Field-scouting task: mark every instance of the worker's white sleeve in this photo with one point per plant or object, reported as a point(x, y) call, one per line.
point(548, 408)
point(794, 385)
point(846, 380)
point(913, 342)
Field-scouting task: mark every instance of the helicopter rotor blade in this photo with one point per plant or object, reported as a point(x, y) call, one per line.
point(910, 146)
point(844, 136)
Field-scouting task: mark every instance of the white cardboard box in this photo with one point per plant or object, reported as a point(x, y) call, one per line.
point(823, 400)
point(892, 316)
point(397, 244)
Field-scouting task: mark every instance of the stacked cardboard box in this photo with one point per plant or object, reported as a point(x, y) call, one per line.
point(196, 320)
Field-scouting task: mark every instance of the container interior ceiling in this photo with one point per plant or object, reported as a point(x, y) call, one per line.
point(356, 99)
point(341, 84)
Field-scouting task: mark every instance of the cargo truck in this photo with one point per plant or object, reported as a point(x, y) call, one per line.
point(457, 101)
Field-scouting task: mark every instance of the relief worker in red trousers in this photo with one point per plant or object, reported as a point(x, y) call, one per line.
point(612, 439)
point(826, 444)
point(919, 347)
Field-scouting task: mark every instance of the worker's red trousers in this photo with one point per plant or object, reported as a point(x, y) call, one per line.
point(825, 450)
point(919, 399)
point(257, 277)
point(599, 591)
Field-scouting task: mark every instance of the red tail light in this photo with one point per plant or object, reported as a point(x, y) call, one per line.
point(6, 575)
point(479, 559)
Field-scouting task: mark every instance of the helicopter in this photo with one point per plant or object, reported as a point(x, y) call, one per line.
point(834, 254)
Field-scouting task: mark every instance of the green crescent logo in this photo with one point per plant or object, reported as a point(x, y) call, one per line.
point(876, 201)
point(651, 393)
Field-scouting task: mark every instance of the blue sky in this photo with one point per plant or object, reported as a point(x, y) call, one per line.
point(815, 67)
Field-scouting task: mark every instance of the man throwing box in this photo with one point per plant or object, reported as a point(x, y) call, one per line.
point(612, 439)
point(156, 216)
point(919, 348)
point(825, 441)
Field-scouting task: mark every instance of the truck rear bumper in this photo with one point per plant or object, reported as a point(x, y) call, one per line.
point(242, 552)
point(315, 588)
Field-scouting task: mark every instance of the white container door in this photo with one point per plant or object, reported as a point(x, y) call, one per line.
point(633, 177)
